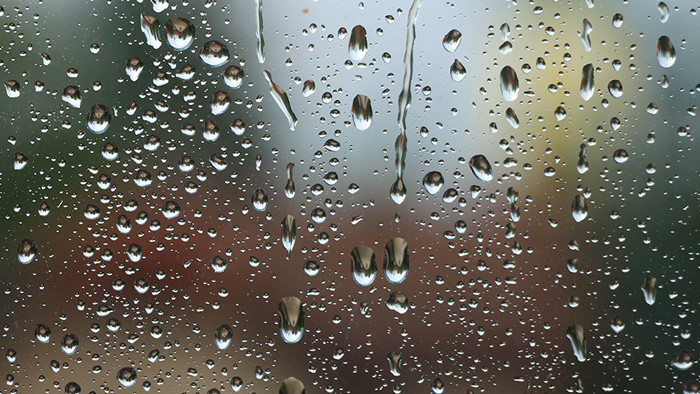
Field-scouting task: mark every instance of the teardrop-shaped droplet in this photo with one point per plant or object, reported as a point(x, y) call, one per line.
point(451, 40)
point(587, 82)
point(289, 189)
point(150, 26)
point(398, 191)
point(364, 265)
point(133, 68)
point(309, 88)
point(481, 168)
point(457, 71)
point(42, 333)
point(579, 210)
point(663, 10)
point(357, 47)
point(396, 258)
point(292, 385)
point(649, 290)
point(99, 118)
point(223, 336)
point(509, 84)
point(214, 53)
point(26, 251)
point(433, 181)
point(259, 200)
point(126, 376)
point(512, 118)
point(586, 34)
point(394, 363)
point(233, 76)
point(179, 33)
point(577, 338)
point(291, 319)
point(289, 233)
point(665, 52)
point(69, 343)
point(582, 165)
point(282, 100)
point(362, 112)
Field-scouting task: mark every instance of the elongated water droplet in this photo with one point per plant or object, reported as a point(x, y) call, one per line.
point(649, 290)
point(260, 47)
point(451, 40)
point(579, 210)
point(509, 84)
point(512, 118)
point(586, 34)
point(457, 71)
point(292, 385)
point(214, 53)
point(577, 338)
point(394, 363)
point(291, 319)
point(223, 336)
point(179, 33)
point(615, 88)
point(280, 97)
point(289, 189)
point(362, 112)
point(587, 80)
point(309, 88)
point(220, 102)
point(665, 52)
point(481, 168)
point(150, 26)
point(357, 46)
point(663, 10)
point(364, 265)
point(617, 20)
point(289, 233)
point(99, 118)
point(396, 260)
point(582, 165)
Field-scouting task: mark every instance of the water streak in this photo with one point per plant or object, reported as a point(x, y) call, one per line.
point(260, 49)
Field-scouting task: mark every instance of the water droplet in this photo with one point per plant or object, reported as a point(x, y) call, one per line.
point(291, 319)
point(223, 336)
point(289, 189)
point(665, 52)
point(171, 210)
point(69, 344)
point(233, 76)
point(357, 47)
point(259, 200)
point(289, 233)
point(586, 34)
point(214, 53)
point(481, 168)
point(134, 66)
point(309, 88)
point(663, 10)
point(126, 376)
point(577, 337)
point(649, 290)
point(620, 156)
point(397, 302)
point(587, 82)
point(26, 251)
point(617, 20)
point(457, 71)
point(615, 88)
point(280, 97)
point(396, 260)
point(579, 210)
point(42, 333)
point(432, 182)
point(220, 102)
point(292, 385)
point(361, 112)
point(509, 84)
point(364, 265)
point(150, 26)
point(179, 33)
point(451, 40)
point(71, 95)
point(99, 118)
point(394, 363)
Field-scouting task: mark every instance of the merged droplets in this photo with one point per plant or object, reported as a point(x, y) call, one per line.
point(214, 53)
point(291, 319)
point(451, 40)
point(586, 34)
point(357, 47)
point(362, 112)
point(150, 26)
point(509, 83)
point(363, 265)
point(396, 258)
point(26, 251)
point(99, 118)
point(179, 33)
point(481, 168)
point(126, 376)
point(397, 302)
point(577, 338)
point(665, 52)
point(394, 359)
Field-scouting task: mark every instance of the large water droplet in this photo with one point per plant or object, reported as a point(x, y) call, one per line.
point(451, 40)
point(433, 181)
point(577, 338)
point(457, 71)
point(223, 336)
point(357, 47)
point(214, 53)
point(509, 83)
point(396, 258)
point(150, 26)
point(99, 118)
point(363, 265)
point(126, 376)
point(579, 210)
point(289, 233)
point(291, 319)
point(586, 34)
point(481, 168)
point(292, 385)
point(280, 97)
point(587, 82)
point(179, 33)
point(362, 112)
point(71, 95)
point(26, 251)
point(649, 290)
point(665, 52)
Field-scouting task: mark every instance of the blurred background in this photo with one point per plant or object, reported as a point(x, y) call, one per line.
point(489, 307)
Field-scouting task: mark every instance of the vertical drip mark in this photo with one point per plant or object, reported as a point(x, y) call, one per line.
point(259, 32)
point(398, 189)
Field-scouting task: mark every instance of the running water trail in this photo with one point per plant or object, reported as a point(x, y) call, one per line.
point(260, 49)
point(398, 189)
